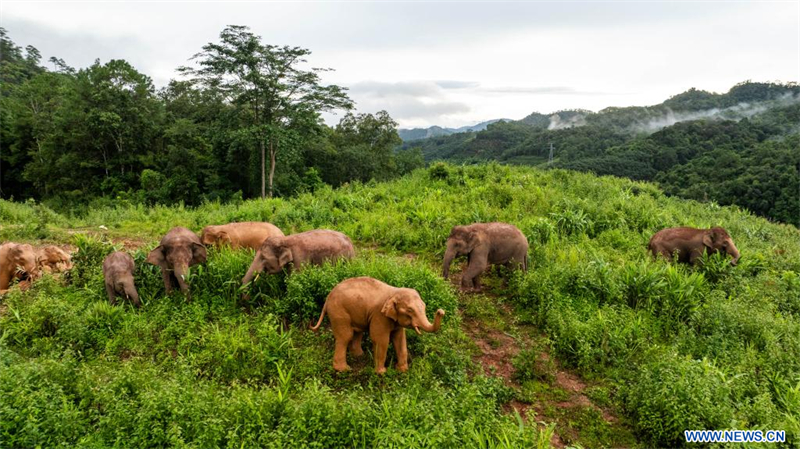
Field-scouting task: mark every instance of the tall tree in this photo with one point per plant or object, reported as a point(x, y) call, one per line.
point(270, 85)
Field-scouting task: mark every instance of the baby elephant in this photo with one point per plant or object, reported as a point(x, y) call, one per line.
point(53, 259)
point(364, 304)
point(485, 244)
point(310, 247)
point(249, 234)
point(118, 268)
point(690, 243)
point(179, 249)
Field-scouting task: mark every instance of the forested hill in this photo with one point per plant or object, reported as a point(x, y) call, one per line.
point(741, 147)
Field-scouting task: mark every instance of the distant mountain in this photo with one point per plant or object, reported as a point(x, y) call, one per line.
point(436, 131)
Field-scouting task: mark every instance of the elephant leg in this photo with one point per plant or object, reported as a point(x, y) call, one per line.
point(381, 345)
point(343, 337)
point(112, 295)
point(696, 257)
point(399, 341)
point(355, 344)
point(471, 276)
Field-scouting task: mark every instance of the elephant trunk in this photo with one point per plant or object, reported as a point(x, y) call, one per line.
point(449, 255)
point(734, 252)
point(437, 323)
point(181, 273)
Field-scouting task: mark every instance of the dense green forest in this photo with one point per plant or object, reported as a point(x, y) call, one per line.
point(658, 348)
point(741, 147)
point(104, 133)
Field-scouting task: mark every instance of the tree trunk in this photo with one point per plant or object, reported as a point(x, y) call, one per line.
point(263, 165)
point(272, 151)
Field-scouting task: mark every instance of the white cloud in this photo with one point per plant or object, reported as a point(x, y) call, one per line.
point(448, 63)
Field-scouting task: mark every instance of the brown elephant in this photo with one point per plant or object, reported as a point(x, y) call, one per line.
point(690, 243)
point(249, 234)
point(364, 304)
point(17, 261)
point(485, 244)
point(118, 269)
point(310, 247)
point(53, 259)
point(179, 249)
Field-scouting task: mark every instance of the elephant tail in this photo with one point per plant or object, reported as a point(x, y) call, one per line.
point(321, 316)
point(525, 265)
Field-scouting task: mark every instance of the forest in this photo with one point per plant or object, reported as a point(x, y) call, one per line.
point(741, 147)
point(103, 134)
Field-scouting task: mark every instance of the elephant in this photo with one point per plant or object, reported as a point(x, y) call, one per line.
point(17, 261)
point(249, 234)
point(179, 249)
point(362, 304)
point(689, 244)
point(484, 244)
point(310, 247)
point(53, 259)
point(118, 269)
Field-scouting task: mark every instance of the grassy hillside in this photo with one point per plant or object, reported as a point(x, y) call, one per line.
point(734, 148)
point(664, 348)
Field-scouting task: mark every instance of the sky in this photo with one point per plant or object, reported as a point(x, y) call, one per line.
point(449, 63)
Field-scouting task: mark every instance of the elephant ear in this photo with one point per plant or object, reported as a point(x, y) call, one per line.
point(708, 239)
point(284, 256)
point(156, 256)
point(390, 308)
point(473, 239)
point(199, 253)
point(223, 236)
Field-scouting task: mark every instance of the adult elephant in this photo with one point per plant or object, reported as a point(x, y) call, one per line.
point(179, 249)
point(17, 261)
point(248, 234)
point(363, 304)
point(485, 244)
point(688, 244)
point(298, 250)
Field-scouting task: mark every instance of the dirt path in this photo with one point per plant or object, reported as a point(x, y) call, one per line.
point(545, 392)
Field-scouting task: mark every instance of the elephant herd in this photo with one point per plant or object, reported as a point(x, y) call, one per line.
point(355, 305)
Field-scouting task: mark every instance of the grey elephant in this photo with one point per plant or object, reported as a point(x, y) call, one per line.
point(689, 244)
point(485, 244)
point(179, 249)
point(118, 269)
point(298, 250)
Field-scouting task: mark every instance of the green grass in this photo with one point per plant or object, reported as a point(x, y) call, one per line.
point(675, 347)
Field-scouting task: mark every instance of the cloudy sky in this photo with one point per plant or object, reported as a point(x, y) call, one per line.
point(450, 63)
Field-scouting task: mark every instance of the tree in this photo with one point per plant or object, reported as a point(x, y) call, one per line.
point(268, 83)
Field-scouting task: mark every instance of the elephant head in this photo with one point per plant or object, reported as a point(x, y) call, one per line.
point(274, 255)
point(462, 241)
point(178, 255)
point(24, 260)
point(407, 309)
point(212, 235)
point(717, 239)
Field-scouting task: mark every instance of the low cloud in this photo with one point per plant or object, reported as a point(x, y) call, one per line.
point(407, 101)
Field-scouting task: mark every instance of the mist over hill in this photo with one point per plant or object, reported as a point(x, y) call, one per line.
point(740, 147)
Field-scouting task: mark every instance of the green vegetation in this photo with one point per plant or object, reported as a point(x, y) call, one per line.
point(735, 148)
point(668, 347)
point(104, 134)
